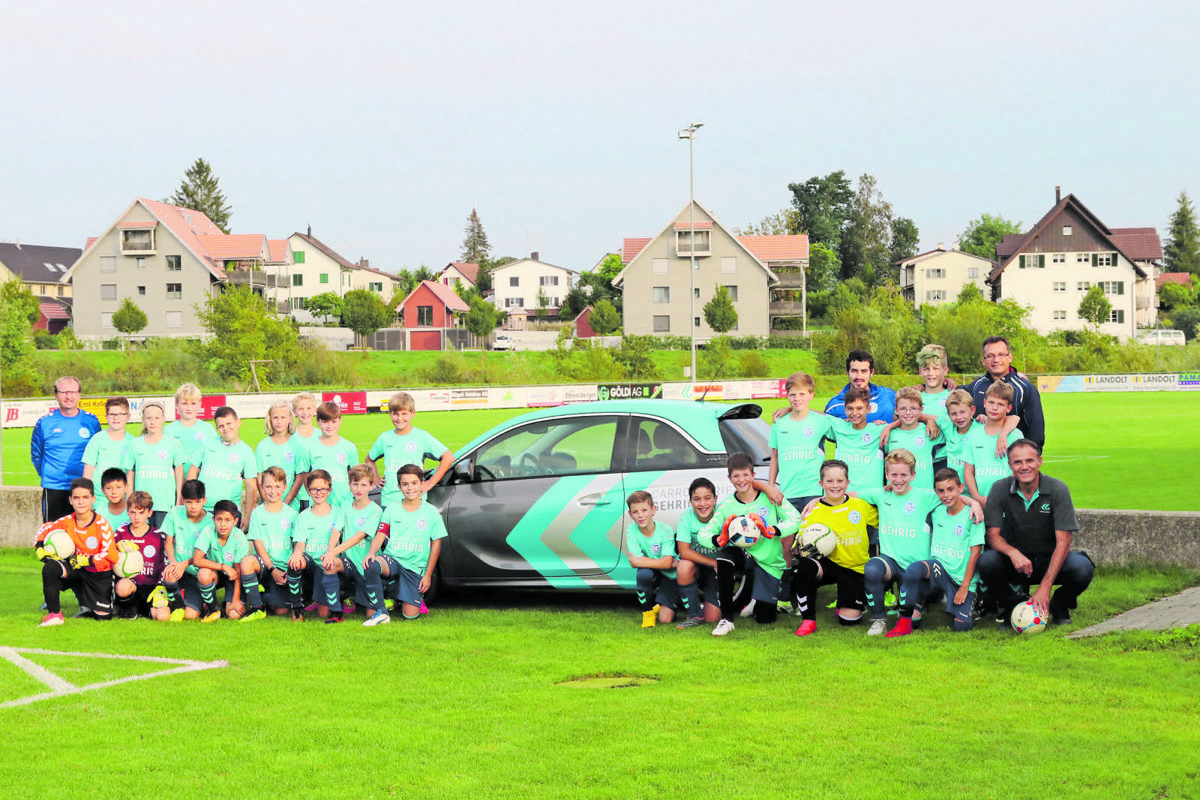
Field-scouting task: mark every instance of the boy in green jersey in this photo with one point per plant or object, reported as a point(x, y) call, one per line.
point(763, 563)
point(333, 453)
point(356, 527)
point(858, 441)
point(111, 447)
point(272, 526)
point(932, 366)
point(985, 451)
point(189, 430)
point(184, 526)
point(113, 507)
point(282, 448)
point(405, 549)
point(909, 434)
point(405, 444)
point(955, 544)
point(304, 406)
point(219, 557)
point(797, 443)
point(227, 466)
point(697, 562)
point(650, 548)
point(158, 463)
point(315, 528)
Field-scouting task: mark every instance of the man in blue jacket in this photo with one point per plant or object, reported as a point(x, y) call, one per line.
point(56, 449)
point(860, 368)
point(1027, 403)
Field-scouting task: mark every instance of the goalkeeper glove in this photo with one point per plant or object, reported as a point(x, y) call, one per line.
point(79, 561)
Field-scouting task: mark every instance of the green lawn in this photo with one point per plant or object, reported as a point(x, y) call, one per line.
point(468, 703)
point(1099, 443)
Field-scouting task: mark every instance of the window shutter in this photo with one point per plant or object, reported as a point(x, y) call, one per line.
point(1021, 262)
point(1041, 262)
point(1120, 287)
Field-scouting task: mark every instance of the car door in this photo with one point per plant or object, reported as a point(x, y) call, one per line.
point(537, 504)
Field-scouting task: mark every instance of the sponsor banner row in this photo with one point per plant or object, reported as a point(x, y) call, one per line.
point(24, 413)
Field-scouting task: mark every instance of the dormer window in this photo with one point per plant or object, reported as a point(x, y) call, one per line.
point(137, 237)
point(689, 243)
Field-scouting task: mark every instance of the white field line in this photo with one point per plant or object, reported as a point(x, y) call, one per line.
point(61, 687)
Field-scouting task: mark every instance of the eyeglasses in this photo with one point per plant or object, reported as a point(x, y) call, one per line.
point(319, 490)
point(996, 356)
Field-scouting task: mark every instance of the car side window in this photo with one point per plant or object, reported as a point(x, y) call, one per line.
point(660, 445)
point(570, 446)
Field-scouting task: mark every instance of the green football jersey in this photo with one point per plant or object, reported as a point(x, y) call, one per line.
point(315, 531)
point(236, 547)
point(980, 452)
point(184, 534)
point(275, 531)
point(861, 452)
point(102, 452)
point(952, 540)
point(335, 459)
point(154, 469)
point(657, 545)
point(918, 443)
point(767, 552)
point(192, 439)
point(398, 451)
point(411, 533)
point(355, 520)
point(291, 456)
point(224, 469)
point(799, 444)
point(688, 530)
point(903, 532)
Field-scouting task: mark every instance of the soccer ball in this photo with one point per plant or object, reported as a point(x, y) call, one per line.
point(129, 564)
point(1026, 619)
point(742, 531)
point(815, 540)
point(59, 544)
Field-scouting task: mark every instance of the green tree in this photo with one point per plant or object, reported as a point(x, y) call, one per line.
point(783, 222)
point(1182, 251)
point(364, 312)
point(1094, 308)
point(477, 250)
point(482, 317)
point(201, 191)
point(822, 208)
point(981, 235)
point(604, 319)
point(18, 313)
point(905, 238)
point(129, 319)
point(969, 293)
point(242, 327)
point(1173, 295)
point(719, 312)
point(865, 242)
point(824, 267)
point(543, 302)
point(610, 267)
point(325, 304)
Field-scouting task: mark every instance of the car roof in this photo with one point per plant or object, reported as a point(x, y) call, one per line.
point(694, 417)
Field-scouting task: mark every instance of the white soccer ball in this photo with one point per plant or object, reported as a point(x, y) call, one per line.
point(743, 531)
point(129, 564)
point(1026, 619)
point(818, 538)
point(59, 544)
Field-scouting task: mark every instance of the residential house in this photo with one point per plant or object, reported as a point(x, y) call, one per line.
point(167, 259)
point(364, 276)
point(657, 286)
point(318, 268)
point(583, 323)
point(530, 287)
point(457, 272)
point(1069, 250)
point(936, 277)
point(430, 321)
point(40, 267)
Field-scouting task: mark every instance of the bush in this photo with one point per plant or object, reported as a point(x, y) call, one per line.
point(45, 340)
point(747, 342)
point(634, 355)
point(1187, 319)
point(449, 368)
point(751, 364)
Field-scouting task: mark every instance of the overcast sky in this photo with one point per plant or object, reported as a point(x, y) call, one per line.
point(382, 124)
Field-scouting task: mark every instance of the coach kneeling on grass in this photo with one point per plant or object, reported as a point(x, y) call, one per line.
point(1030, 522)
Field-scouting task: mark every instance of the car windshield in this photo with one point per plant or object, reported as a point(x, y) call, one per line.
point(748, 436)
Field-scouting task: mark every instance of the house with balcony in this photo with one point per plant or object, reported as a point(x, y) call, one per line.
point(660, 297)
point(166, 259)
point(1051, 267)
point(936, 277)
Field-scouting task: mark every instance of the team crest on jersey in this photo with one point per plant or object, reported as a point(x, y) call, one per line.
point(341, 458)
point(411, 447)
point(909, 507)
point(762, 512)
point(919, 441)
point(149, 551)
point(362, 520)
point(285, 524)
point(958, 530)
point(91, 543)
point(808, 432)
point(83, 434)
point(234, 458)
point(866, 437)
point(289, 455)
point(656, 549)
point(422, 524)
point(198, 436)
point(161, 454)
point(854, 517)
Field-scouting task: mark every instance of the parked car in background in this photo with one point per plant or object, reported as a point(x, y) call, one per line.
point(1162, 336)
point(503, 342)
point(539, 501)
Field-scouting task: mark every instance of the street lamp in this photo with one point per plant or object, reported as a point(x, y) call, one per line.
point(689, 133)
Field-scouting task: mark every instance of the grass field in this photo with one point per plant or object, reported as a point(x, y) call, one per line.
point(468, 703)
point(1105, 445)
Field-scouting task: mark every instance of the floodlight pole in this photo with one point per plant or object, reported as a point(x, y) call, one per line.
point(689, 133)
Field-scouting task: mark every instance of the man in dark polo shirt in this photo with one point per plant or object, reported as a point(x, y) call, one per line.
point(1030, 522)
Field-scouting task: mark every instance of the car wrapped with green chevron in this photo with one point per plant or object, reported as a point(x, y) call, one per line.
point(539, 501)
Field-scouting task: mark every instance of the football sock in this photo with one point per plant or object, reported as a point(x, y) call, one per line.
point(691, 600)
point(208, 594)
point(174, 596)
point(804, 587)
point(874, 574)
point(331, 588)
point(252, 592)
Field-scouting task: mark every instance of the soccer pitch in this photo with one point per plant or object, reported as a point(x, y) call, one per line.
point(468, 702)
point(1133, 450)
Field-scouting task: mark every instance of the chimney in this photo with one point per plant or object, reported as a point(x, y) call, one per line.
point(941, 245)
point(310, 230)
point(1057, 195)
point(533, 256)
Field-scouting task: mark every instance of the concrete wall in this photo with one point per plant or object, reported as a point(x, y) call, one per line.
point(1111, 538)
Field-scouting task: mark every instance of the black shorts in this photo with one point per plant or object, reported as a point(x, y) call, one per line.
point(851, 590)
